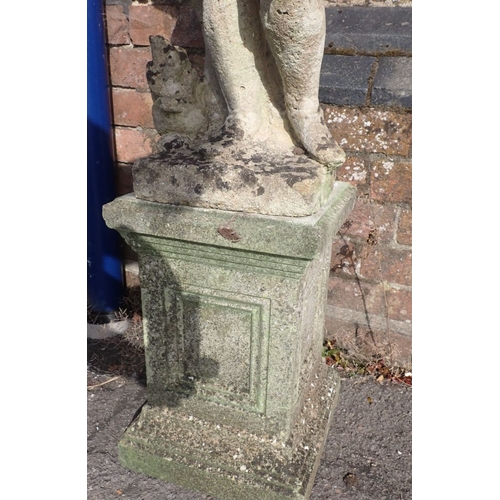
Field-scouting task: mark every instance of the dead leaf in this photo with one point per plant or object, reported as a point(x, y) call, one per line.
point(380, 379)
point(369, 399)
point(372, 237)
point(350, 479)
point(228, 233)
point(347, 224)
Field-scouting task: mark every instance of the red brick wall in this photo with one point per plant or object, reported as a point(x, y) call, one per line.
point(370, 296)
point(128, 30)
point(369, 299)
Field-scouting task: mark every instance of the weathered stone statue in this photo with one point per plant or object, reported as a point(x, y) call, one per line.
point(251, 137)
point(239, 35)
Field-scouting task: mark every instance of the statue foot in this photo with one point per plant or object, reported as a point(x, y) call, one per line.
point(328, 153)
point(313, 133)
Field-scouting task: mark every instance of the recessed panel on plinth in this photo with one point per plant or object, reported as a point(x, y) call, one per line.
point(224, 342)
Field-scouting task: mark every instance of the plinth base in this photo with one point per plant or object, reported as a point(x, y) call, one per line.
point(230, 463)
point(239, 396)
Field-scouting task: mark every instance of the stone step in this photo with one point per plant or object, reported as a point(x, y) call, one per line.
point(369, 30)
point(367, 57)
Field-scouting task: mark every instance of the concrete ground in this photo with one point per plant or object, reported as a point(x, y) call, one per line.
point(367, 455)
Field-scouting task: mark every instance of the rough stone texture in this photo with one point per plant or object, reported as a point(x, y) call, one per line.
point(266, 58)
point(369, 30)
point(221, 177)
point(370, 437)
point(370, 130)
point(238, 173)
point(392, 83)
point(230, 462)
point(233, 307)
point(181, 103)
point(344, 79)
point(271, 230)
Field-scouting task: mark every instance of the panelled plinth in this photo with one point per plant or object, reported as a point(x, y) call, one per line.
point(239, 397)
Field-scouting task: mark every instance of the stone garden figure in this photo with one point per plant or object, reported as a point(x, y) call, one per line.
point(266, 56)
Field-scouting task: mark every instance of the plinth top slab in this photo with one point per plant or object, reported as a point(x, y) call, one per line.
point(295, 237)
point(226, 177)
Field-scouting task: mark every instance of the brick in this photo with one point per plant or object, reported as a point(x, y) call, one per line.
point(128, 67)
point(198, 62)
point(392, 82)
point(391, 182)
point(132, 144)
point(188, 32)
point(344, 256)
point(404, 227)
point(124, 184)
point(399, 303)
point(132, 108)
point(117, 25)
point(131, 274)
point(147, 20)
point(370, 298)
point(356, 295)
point(127, 252)
point(367, 344)
point(344, 79)
point(369, 30)
point(382, 263)
point(354, 171)
point(370, 130)
point(373, 218)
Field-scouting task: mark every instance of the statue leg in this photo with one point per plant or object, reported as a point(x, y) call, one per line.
point(236, 43)
point(295, 30)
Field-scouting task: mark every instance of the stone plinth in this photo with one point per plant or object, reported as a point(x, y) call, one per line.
point(239, 396)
